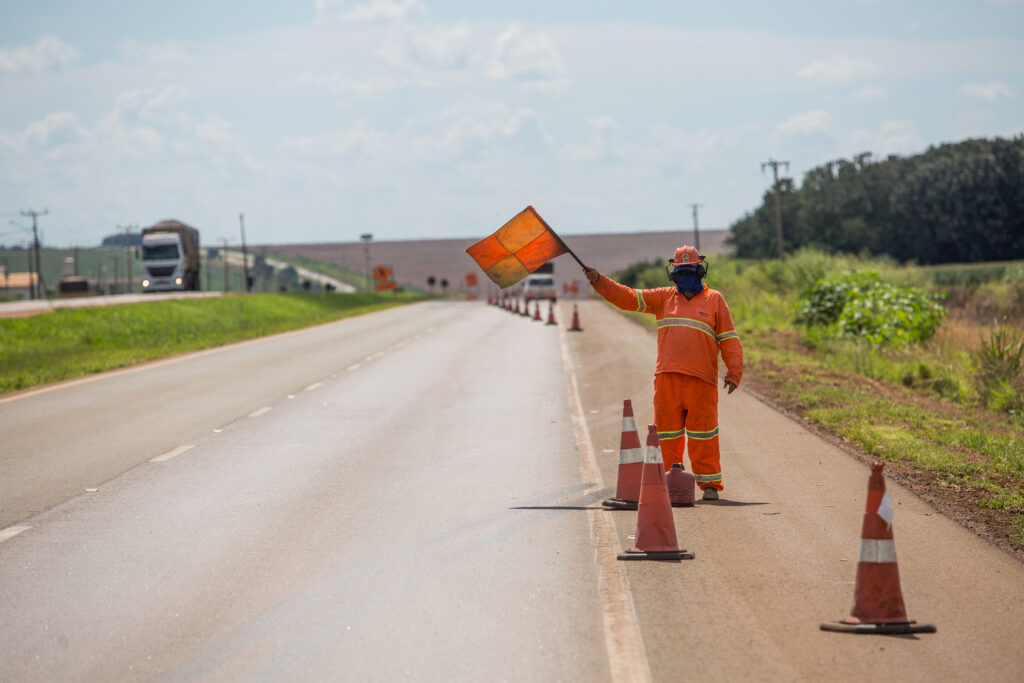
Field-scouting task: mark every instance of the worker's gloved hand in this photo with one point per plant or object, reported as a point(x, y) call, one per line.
point(729, 386)
point(591, 273)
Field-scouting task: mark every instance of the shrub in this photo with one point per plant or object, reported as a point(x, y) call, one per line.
point(862, 306)
point(999, 363)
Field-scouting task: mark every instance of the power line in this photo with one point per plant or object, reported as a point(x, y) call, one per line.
point(778, 202)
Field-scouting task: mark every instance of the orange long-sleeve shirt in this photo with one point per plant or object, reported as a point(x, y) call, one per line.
point(691, 332)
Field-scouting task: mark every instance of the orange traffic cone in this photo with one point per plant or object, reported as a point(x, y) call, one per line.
point(551, 314)
point(631, 464)
point(536, 310)
point(655, 527)
point(575, 320)
point(877, 596)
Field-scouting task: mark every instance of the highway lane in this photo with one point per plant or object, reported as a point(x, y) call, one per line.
point(388, 496)
point(62, 439)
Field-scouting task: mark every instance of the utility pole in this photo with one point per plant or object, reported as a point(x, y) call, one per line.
point(245, 254)
point(35, 246)
point(778, 202)
point(224, 255)
point(366, 238)
point(696, 230)
point(127, 254)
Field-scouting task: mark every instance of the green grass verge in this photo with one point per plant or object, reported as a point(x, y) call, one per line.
point(70, 343)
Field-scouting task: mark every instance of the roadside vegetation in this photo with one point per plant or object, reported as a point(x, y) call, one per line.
point(74, 342)
point(919, 366)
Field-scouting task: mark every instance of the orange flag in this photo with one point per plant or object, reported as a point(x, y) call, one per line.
point(518, 248)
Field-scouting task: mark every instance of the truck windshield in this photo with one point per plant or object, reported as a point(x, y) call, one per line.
point(155, 252)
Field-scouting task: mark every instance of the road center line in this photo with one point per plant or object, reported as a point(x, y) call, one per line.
point(314, 386)
point(623, 642)
point(12, 531)
point(172, 454)
point(261, 411)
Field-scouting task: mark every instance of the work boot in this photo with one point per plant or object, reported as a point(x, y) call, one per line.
point(710, 493)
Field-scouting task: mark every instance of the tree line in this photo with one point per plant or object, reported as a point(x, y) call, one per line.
point(954, 203)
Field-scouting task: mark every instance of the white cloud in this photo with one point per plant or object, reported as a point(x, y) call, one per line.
point(359, 139)
point(530, 59)
point(869, 93)
point(167, 53)
point(59, 128)
point(442, 48)
point(837, 69)
point(892, 137)
point(334, 83)
point(49, 52)
point(992, 91)
point(604, 142)
point(374, 10)
point(816, 120)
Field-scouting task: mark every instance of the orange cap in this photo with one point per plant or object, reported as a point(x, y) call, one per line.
point(686, 256)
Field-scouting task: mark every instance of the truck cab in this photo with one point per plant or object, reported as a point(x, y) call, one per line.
point(170, 259)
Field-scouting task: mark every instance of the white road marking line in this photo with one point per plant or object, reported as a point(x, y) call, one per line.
point(354, 366)
point(623, 641)
point(291, 395)
point(91, 490)
point(261, 411)
point(172, 454)
point(12, 531)
point(314, 386)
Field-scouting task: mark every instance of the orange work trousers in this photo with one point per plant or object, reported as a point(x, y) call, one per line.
point(686, 409)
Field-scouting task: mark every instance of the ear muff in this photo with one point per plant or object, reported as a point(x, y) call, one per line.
point(702, 269)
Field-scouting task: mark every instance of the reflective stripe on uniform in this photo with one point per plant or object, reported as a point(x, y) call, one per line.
point(641, 305)
point(687, 322)
point(731, 334)
point(702, 436)
point(665, 436)
point(707, 478)
point(877, 550)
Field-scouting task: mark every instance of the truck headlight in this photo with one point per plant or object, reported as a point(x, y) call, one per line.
point(177, 280)
point(145, 283)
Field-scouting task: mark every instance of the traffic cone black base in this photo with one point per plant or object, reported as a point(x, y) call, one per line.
point(663, 555)
point(619, 504)
point(881, 629)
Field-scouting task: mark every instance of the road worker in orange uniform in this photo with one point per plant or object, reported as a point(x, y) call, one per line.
point(694, 324)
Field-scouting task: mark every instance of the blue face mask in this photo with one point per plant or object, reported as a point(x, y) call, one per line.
point(687, 281)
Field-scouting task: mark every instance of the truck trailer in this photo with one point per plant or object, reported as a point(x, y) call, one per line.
point(170, 257)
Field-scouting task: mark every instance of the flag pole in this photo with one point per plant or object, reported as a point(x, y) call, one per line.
point(557, 237)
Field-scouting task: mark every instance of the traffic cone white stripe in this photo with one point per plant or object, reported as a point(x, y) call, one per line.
point(877, 550)
point(630, 456)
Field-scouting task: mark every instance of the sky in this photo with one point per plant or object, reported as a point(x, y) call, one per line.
point(322, 120)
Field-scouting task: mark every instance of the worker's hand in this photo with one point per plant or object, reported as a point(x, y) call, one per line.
point(592, 274)
point(729, 386)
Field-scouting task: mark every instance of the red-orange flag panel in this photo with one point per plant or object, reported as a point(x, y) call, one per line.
point(518, 248)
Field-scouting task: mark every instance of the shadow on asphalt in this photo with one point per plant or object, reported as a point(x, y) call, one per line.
point(555, 507)
point(728, 503)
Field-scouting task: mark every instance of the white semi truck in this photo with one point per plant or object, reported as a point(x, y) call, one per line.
point(170, 257)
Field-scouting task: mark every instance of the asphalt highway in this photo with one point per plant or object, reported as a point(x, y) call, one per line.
point(375, 499)
point(414, 494)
